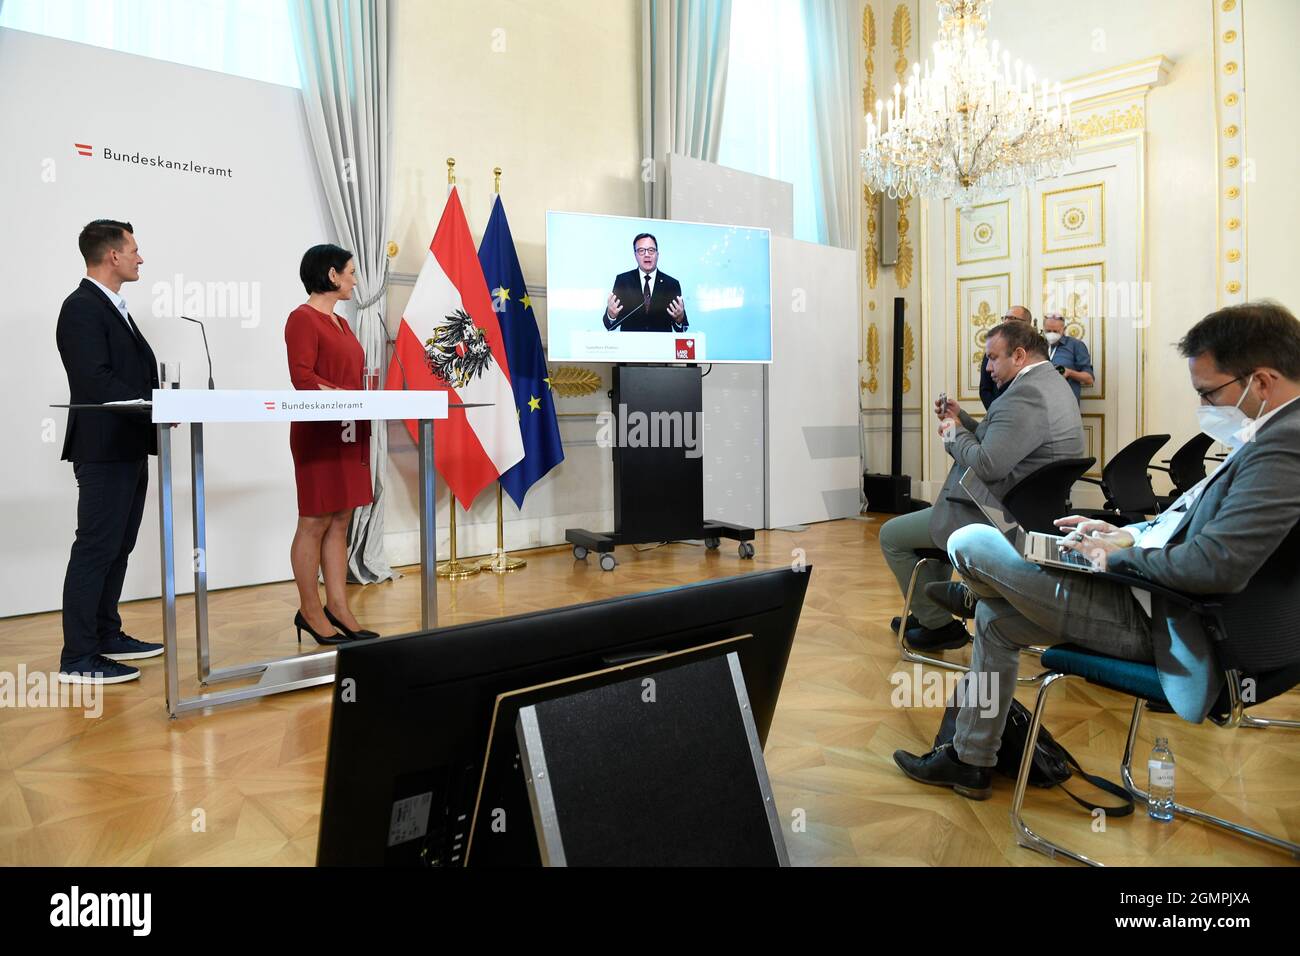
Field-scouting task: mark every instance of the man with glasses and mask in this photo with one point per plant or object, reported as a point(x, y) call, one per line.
point(989, 389)
point(645, 299)
point(1244, 363)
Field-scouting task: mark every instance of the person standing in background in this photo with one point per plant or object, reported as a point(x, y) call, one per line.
point(107, 360)
point(331, 459)
point(989, 389)
point(1069, 355)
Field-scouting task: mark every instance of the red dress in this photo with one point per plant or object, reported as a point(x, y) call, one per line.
point(332, 474)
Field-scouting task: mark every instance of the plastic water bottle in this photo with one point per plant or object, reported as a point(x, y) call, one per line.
point(1160, 782)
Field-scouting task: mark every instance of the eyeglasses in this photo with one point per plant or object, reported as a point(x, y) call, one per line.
point(645, 250)
point(1206, 394)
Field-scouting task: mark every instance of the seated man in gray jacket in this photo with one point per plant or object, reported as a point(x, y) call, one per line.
point(1034, 423)
point(1245, 367)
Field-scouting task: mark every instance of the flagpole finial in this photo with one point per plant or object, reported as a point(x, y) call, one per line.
point(451, 171)
point(391, 249)
point(496, 173)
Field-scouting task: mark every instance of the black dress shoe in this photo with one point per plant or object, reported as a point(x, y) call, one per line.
point(911, 623)
point(359, 634)
point(953, 596)
point(947, 638)
point(942, 767)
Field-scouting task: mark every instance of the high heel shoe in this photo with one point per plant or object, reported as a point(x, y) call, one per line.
point(360, 634)
point(301, 624)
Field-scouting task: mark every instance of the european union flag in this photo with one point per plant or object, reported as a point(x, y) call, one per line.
point(528, 374)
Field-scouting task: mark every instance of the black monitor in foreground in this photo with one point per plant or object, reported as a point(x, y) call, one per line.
point(412, 715)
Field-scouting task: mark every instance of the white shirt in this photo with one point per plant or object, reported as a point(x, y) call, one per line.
point(640, 278)
point(1156, 533)
point(1028, 367)
point(116, 299)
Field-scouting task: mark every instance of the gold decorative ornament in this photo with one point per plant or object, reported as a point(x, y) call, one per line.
point(1231, 131)
point(1232, 162)
point(869, 65)
point(901, 38)
point(1230, 36)
point(1234, 287)
point(1104, 124)
point(983, 233)
point(451, 171)
point(870, 247)
point(1234, 223)
point(569, 381)
point(1230, 67)
point(1229, 5)
point(909, 356)
point(871, 306)
point(873, 357)
point(391, 249)
point(1234, 255)
point(904, 266)
point(1233, 192)
point(1073, 218)
point(1231, 99)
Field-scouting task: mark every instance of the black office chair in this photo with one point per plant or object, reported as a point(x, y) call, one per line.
point(1257, 644)
point(1186, 468)
point(1035, 500)
point(1124, 481)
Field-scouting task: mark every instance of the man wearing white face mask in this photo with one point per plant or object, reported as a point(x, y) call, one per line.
point(1068, 354)
point(1245, 367)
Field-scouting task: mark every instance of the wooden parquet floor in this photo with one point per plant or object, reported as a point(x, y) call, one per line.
point(242, 785)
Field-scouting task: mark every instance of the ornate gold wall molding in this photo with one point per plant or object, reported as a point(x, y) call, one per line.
point(904, 267)
point(873, 357)
point(901, 39)
point(1234, 167)
point(870, 245)
point(1114, 121)
point(869, 63)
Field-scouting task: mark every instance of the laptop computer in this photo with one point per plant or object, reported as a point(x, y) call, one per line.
point(1035, 546)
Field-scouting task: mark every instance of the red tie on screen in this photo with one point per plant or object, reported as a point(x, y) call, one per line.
point(646, 296)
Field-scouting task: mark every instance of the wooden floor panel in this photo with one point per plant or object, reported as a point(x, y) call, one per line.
point(241, 785)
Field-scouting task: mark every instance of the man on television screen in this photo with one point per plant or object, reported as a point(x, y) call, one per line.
point(645, 299)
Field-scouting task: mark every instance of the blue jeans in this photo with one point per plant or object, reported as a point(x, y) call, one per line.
point(1024, 604)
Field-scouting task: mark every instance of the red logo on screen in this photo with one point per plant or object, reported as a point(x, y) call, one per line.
point(270, 406)
point(686, 348)
point(83, 149)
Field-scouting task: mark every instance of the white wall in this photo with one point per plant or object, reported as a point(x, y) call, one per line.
point(250, 229)
point(550, 93)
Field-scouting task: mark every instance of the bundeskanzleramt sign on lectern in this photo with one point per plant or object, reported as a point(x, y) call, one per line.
point(196, 408)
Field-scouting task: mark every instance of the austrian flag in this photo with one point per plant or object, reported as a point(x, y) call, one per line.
point(449, 339)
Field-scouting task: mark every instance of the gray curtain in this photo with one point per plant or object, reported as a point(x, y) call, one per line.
point(683, 82)
point(342, 48)
point(832, 55)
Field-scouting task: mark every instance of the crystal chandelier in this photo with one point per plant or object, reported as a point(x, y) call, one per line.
point(973, 124)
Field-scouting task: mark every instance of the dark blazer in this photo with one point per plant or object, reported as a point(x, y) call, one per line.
point(629, 287)
point(989, 390)
point(106, 361)
point(1243, 513)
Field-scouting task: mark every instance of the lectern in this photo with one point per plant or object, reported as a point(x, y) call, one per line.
point(196, 408)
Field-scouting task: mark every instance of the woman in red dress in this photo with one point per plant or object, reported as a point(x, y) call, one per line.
point(331, 460)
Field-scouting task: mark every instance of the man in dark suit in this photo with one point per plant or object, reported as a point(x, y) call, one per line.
point(107, 360)
point(645, 299)
point(1244, 365)
point(989, 389)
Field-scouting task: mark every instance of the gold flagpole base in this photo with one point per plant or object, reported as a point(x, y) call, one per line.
point(502, 563)
point(455, 570)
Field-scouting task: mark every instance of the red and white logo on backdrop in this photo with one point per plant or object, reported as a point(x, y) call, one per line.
point(83, 149)
point(685, 348)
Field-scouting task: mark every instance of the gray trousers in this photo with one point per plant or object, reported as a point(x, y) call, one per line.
point(1024, 604)
point(900, 537)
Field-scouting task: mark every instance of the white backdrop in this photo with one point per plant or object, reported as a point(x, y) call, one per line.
point(222, 248)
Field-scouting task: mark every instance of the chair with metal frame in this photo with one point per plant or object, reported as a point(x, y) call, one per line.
point(1186, 468)
point(1126, 484)
point(1256, 644)
point(1035, 501)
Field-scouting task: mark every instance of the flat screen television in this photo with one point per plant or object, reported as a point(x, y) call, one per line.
point(412, 714)
point(708, 299)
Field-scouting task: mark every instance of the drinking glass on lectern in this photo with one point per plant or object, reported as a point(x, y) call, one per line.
point(170, 373)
